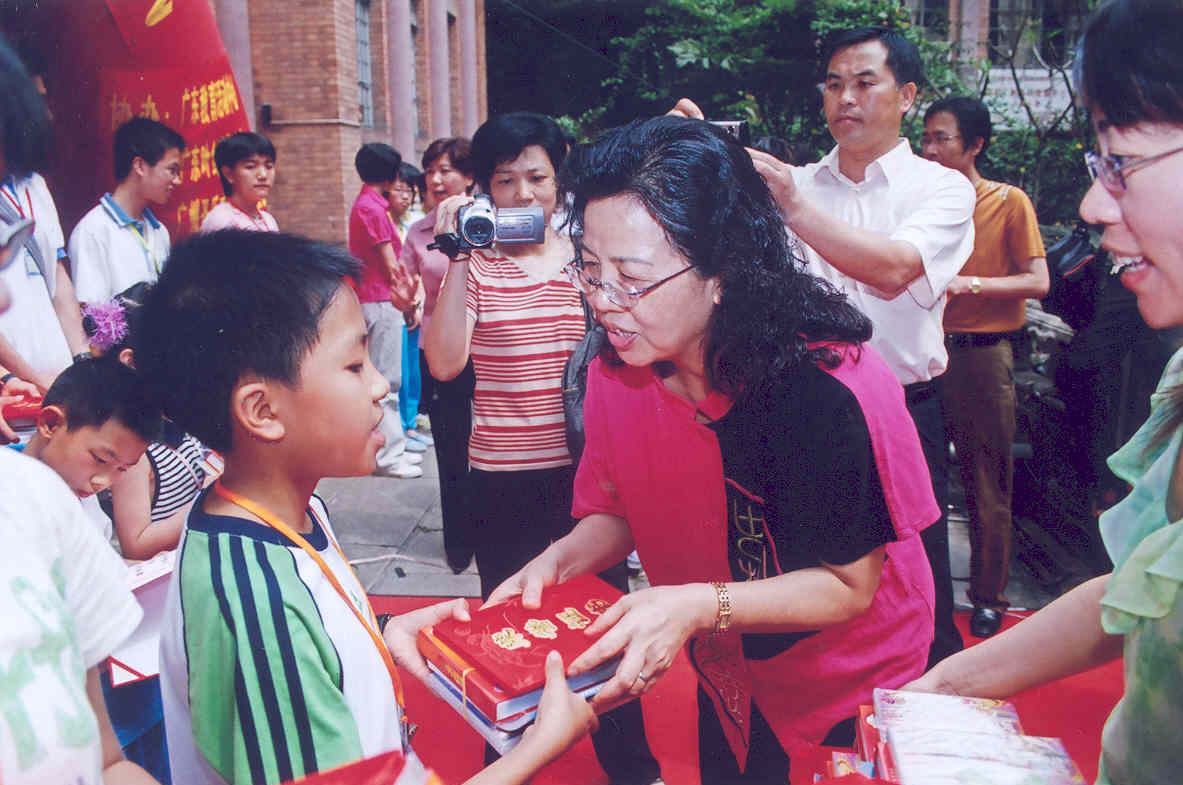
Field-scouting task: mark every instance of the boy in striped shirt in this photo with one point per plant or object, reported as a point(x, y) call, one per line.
point(273, 666)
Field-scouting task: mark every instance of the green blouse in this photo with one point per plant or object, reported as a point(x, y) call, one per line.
point(1141, 742)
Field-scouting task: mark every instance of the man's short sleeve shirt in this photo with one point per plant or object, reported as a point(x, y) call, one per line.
point(369, 228)
point(1006, 236)
point(907, 198)
point(110, 251)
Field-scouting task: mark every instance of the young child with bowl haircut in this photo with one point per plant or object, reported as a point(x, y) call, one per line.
point(273, 665)
point(246, 166)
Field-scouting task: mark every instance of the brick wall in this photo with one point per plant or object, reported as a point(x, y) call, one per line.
point(304, 59)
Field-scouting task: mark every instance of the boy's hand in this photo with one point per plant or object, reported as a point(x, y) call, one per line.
point(7, 435)
point(563, 717)
point(400, 632)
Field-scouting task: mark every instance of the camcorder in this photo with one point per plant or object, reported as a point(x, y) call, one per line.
point(480, 224)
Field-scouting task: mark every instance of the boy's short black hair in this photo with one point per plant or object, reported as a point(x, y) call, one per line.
point(93, 391)
point(377, 163)
point(237, 147)
point(228, 304)
point(903, 57)
point(973, 120)
point(141, 137)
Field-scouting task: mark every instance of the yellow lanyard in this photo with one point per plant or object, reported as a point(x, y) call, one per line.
point(152, 263)
point(371, 624)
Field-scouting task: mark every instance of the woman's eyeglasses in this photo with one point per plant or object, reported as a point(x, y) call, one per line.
point(1112, 170)
point(583, 275)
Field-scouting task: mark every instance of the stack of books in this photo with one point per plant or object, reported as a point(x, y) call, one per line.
point(492, 669)
point(916, 738)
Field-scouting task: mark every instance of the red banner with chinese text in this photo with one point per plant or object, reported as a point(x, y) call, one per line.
point(111, 60)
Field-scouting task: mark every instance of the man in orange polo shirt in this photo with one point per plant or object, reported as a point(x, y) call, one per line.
point(986, 305)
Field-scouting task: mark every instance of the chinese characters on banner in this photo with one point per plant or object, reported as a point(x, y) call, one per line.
point(162, 59)
point(202, 105)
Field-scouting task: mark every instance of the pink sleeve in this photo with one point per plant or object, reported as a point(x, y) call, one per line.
point(377, 226)
point(595, 491)
point(409, 256)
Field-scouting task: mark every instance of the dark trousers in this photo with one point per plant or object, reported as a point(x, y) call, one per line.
point(924, 404)
point(767, 763)
point(449, 405)
point(978, 395)
point(517, 515)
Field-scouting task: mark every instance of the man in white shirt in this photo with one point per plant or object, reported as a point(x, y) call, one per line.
point(891, 230)
point(120, 243)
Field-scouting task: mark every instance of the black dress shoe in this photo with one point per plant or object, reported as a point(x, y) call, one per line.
point(984, 622)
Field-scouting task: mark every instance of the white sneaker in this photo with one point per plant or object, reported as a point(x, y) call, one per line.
point(419, 436)
point(634, 562)
point(413, 458)
point(403, 470)
point(407, 471)
point(414, 445)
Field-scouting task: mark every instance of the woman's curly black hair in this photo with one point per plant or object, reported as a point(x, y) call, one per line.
point(701, 187)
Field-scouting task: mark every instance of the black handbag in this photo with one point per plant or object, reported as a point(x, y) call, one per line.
point(1076, 272)
point(575, 383)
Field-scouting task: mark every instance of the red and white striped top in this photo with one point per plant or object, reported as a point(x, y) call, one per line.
point(526, 327)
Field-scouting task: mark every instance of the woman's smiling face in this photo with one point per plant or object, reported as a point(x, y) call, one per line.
point(1142, 222)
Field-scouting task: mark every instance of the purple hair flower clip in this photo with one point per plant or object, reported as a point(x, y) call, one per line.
point(110, 324)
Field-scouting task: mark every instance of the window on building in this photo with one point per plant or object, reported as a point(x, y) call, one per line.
point(1037, 32)
point(420, 110)
point(933, 16)
point(365, 72)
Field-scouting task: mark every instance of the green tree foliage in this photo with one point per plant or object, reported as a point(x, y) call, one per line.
point(756, 60)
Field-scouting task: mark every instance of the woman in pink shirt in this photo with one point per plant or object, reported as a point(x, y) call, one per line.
point(744, 439)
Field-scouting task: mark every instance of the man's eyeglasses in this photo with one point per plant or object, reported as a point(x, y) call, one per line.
point(937, 139)
point(584, 276)
point(1112, 170)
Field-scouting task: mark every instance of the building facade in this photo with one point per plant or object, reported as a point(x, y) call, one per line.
point(322, 78)
point(1035, 36)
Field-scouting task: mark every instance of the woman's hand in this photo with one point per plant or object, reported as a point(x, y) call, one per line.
point(563, 717)
point(539, 573)
point(400, 633)
point(932, 681)
point(650, 626)
point(445, 213)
